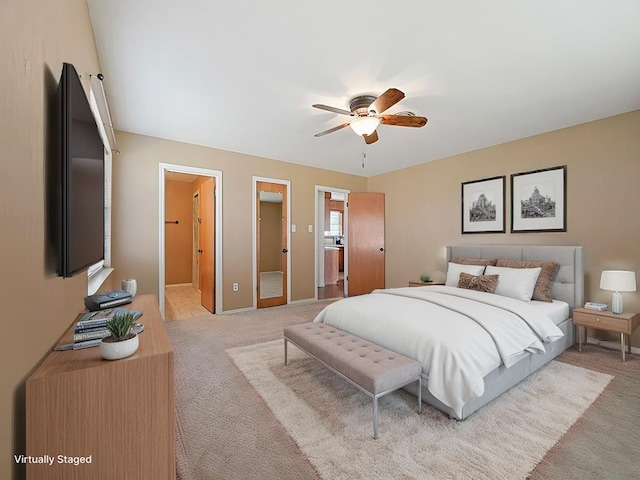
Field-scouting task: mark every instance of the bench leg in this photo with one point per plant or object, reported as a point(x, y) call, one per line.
point(375, 417)
point(419, 395)
point(285, 352)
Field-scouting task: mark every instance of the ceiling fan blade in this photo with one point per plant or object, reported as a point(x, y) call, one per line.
point(369, 139)
point(332, 109)
point(403, 120)
point(386, 100)
point(331, 130)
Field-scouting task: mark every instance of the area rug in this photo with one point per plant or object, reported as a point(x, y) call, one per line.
point(330, 420)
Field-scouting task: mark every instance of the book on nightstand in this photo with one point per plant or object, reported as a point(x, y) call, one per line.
point(600, 307)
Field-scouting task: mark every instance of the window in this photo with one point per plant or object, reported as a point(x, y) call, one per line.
point(336, 223)
point(99, 272)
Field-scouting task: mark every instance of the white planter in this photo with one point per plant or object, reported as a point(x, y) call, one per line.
point(118, 350)
point(130, 286)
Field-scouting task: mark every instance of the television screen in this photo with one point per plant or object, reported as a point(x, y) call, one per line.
point(82, 179)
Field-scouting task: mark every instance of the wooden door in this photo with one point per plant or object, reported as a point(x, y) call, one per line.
point(207, 245)
point(271, 280)
point(195, 261)
point(365, 242)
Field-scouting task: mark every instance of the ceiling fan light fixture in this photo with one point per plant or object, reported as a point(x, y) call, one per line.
point(364, 125)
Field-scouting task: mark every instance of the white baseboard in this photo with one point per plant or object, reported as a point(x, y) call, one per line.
point(249, 309)
point(609, 344)
point(239, 310)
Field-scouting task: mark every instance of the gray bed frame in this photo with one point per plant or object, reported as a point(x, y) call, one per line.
point(567, 285)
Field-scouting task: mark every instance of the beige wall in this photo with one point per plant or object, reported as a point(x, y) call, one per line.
point(37, 306)
point(603, 194)
point(135, 212)
point(178, 237)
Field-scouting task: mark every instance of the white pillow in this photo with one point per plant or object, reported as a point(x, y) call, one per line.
point(455, 269)
point(516, 283)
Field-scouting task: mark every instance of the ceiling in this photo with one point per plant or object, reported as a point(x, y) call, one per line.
point(242, 75)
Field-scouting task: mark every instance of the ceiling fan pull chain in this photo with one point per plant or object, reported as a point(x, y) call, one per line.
point(364, 153)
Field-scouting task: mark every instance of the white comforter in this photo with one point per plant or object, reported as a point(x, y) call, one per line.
point(458, 335)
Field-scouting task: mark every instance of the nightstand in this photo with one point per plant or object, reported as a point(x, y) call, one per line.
point(424, 284)
point(623, 323)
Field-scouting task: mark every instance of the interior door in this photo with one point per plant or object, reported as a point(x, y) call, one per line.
point(365, 242)
point(207, 244)
point(271, 244)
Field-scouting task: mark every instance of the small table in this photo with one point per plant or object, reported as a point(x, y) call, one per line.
point(424, 284)
point(622, 323)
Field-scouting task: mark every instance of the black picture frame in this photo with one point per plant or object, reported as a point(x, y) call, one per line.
point(483, 205)
point(539, 200)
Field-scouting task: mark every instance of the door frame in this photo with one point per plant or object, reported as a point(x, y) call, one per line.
point(194, 248)
point(287, 184)
point(204, 172)
point(319, 236)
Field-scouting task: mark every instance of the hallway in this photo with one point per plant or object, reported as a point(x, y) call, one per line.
point(332, 291)
point(182, 302)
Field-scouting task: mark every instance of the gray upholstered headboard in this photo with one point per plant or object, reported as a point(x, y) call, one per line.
point(568, 283)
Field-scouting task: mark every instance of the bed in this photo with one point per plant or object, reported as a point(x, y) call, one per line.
point(462, 382)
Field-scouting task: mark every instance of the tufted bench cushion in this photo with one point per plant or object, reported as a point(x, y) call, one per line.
point(374, 369)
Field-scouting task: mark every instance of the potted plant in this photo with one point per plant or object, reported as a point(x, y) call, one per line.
point(425, 278)
point(121, 342)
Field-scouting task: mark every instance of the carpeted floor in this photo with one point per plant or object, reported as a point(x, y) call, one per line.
point(225, 430)
point(331, 421)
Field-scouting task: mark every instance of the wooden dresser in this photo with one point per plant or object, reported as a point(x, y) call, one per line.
point(120, 413)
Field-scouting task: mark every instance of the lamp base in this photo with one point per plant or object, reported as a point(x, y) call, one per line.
point(616, 303)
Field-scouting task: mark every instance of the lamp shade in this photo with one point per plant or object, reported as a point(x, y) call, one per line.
point(618, 281)
point(364, 125)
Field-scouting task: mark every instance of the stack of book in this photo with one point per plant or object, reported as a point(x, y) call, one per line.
point(601, 307)
point(92, 327)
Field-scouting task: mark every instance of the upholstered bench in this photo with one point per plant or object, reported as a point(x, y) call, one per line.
point(373, 369)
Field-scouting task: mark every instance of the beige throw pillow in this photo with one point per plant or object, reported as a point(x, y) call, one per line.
point(481, 283)
point(542, 290)
point(474, 261)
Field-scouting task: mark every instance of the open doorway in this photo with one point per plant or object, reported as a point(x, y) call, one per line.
point(331, 240)
point(190, 241)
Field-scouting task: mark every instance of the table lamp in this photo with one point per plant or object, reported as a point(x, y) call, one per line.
point(618, 281)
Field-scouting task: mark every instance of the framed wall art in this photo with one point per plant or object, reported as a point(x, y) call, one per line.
point(483, 205)
point(539, 201)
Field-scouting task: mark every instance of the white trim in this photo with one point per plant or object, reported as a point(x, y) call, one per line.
point(97, 279)
point(609, 344)
point(239, 310)
point(105, 124)
point(205, 172)
point(319, 237)
point(286, 183)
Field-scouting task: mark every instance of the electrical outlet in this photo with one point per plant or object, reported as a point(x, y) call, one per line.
point(235, 287)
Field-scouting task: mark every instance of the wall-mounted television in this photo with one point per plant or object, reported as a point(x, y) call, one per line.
point(81, 179)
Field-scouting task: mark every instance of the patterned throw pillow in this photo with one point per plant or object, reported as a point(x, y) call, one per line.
point(474, 261)
point(542, 290)
point(481, 283)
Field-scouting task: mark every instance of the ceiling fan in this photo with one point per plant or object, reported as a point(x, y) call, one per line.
point(366, 111)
